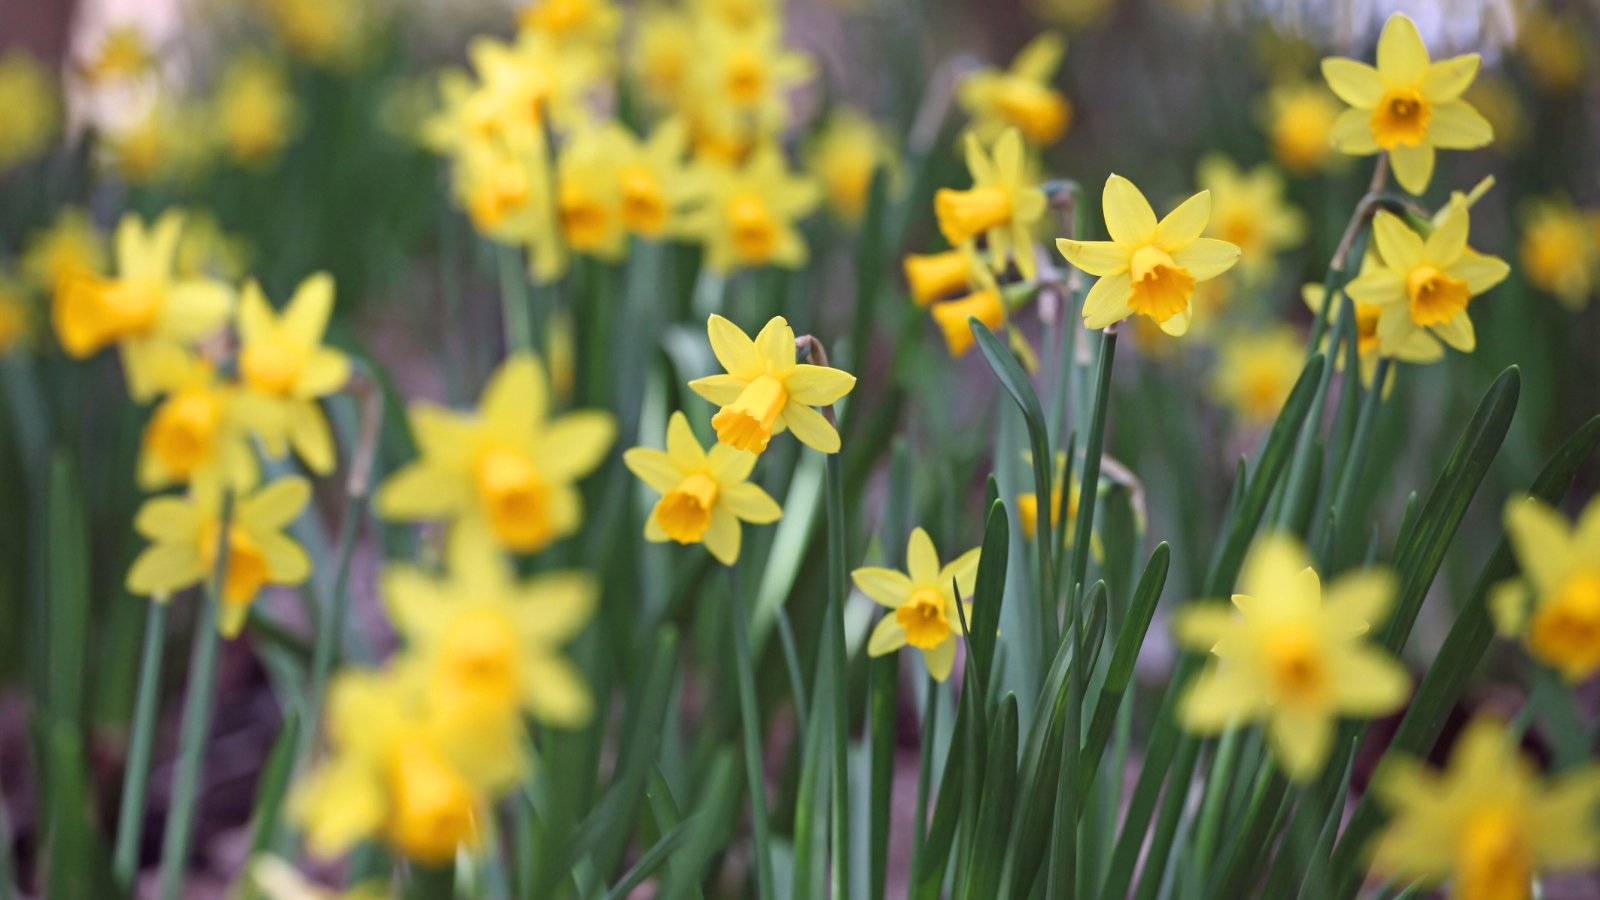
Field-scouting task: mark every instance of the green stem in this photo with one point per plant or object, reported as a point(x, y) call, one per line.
point(930, 725)
point(1215, 800)
point(750, 715)
point(130, 815)
point(197, 709)
point(1360, 445)
point(841, 697)
point(514, 303)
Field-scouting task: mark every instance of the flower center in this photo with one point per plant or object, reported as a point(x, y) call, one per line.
point(515, 499)
point(746, 423)
point(643, 208)
point(1040, 112)
point(1161, 287)
point(433, 809)
point(755, 234)
point(271, 366)
point(963, 215)
point(1493, 862)
point(1436, 298)
point(1401, 118)
point(1239, 229)
point(923, 618)
point(478, 664)
point(1295, 664)
point(1565, 631)
point(746, 77)
point(685, 512)
point(584, 218)
point(182, 433)
point(247, 566)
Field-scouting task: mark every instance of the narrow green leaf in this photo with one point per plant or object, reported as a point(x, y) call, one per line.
point(884, 674)
point(989, 590)
point(1120, 673)
point(994, 810)
point(273, 786)
point(650, 860)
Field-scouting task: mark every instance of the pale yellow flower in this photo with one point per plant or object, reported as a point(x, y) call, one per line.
point(1560, 250)
point(764, 392)
point(922, 601)
point(845, 156)
point(1555, 606)
point(255, 111)
point(30, 109)
point(1256, 370)
point(1299, 119)
point(1002, 206)
point(750, 212)
point(1248, 210)
point(1020, 96)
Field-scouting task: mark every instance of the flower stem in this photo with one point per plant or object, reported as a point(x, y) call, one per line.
point(930, 725)
point(841, 697)
point(750, 716)
point(197, 709)
point(130, 815)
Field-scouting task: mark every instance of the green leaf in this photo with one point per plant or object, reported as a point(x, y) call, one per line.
point(994, 810)
point(884, 674)
point(651, 859)
point(67, 627)
point(989, 590)
point(273, 786)
point(1120, 673)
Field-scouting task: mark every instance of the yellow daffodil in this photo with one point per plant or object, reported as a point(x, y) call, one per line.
point(144, 308)
point(1424, 286)
point(845, 156)
point(1256, 371)
point(749, 215)
point(931, 276)
point(1148, 268)
point(14, 315)
point(285, 369)
point(71, 247)
point(122, 54)
point(658, 183)
point(662, 56)
point(1560, 250)
point(1487, 823)
point(1418, 348)
point(1299, 119)
point(593, 23)
point(394, 773)
point(1028, 507)
point(742, 78)
point(162, 145)
point(507, 464)
point(489, 647)
point(1555, 606)
point(1408, 106)
point(519, 88)
point(704, 495)
point(1002, 205)
point(255, 110)
point(589, 191)
point(327, 33)
point(1020, 96)
point(923, 600)
point(509, 195)
point(30, 110)
point(1289, 655)
point(1555, 48)
point(186, 533)
point(1248, 210)
point(764, 392)
point(954, 318)
point(197, 431)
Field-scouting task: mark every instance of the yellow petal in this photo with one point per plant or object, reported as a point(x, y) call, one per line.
point(1369, 683)
point(1177, 325)
point(1352, 133)
point(1509, 607)
point(885, 586)
point(653, 467)
point(818, 385)
point(719, 389)
point(168, 519)
point(887, 637)
point(324, 372)
point(277, 504)
point(733, 348)
point(1218, 697)
point(751, 504)
point(1181, 226)
point(810, 428)
point(1480, 271)
point(1098, 258)
point(941, 660)
point(555, 606)
point(1207, 258)
point(287, 562)
point(554, 691)
point(575, 444)
point(775, 343)
point(1359, 602)
point(516, 394)
point(1402, 57)
point(1273, 566)
point(1458, 333)
point(165, 569)
point(1201, 626)
point(194, 309)
point(922, 560)
point(311, 436)
point(1544, 545)
point(1457, 126)
point(420, 491)
point(1400, 247)
point(1129, 218)
point(723, 535)
point(682, 446)
point(1300, 742)
point(306, 318)
point(1449, 237)
point(730, 465)
point(1447, 79)
point(1107, 301)
point(1413, 166)
point(256, 317)
point(963, 570)
point(1356, 83)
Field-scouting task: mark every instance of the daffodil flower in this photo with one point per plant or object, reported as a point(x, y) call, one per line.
point(395, 772)
point(923, 600)
point(255, 110)
point(285, 368)
point(954, 318)
point(593, 23)
point(589, 191)
point(1487, 823)
point(1020, 96)
point(1257, 370)
point(186, 535)
point(932, 276)
point(845, 156)
point(1002, 205)
point(1299, 121)
point(749, 214)
point(1425, 285)
point(704, 495)
point(1560, 250)
point(489, 646)
point(1248, 210)
point(1028, 506)
point(71, 247)
point(765, 392)
point(1420, 347)
point(1148, 267)
point(658, 184)
point(198, 430)
point(30, 108)
point(1408, 106)
point(741, 78)
point(1289, 655)
point(506, 465)
point(1561, 576)
point(145, 308)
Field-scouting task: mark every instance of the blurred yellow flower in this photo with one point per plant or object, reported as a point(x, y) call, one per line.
point(1299, 118)
point(205, 249)
point(144, 308)
point(1554, 47)
point(662, 56)
point(923, 602)
point(737, 15)
point(1256, 370)
point(1002, 205)
point(741, 79)
point(1560, 250)
point(1148, 268)
point(489, 647)
point(519, 88)
point(1418, 348)
point(284, 369)
point(123, 54)
point(30, 110)
point(1502, 104)
point(1408, 106)
point(197, 432)
point(931, 276)
point(764, 392)
point(1028, 507)
point(658, 183)
point(1555, 606)
point(71, 247)
point(952, 317)
point(165, 144)
point(589, 190)
point(509, 194)
point(1424, 286)
point(704, 495)
point(845, 156)
point(748, 219)
point(1248, 210)
point(1289, 655)
point(507, 465)
point(327, 33)
point(591, 22)
point(186, 533)
point(1020, 96)
point(255, 111)
point(1487, 823)
point(394, 773)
